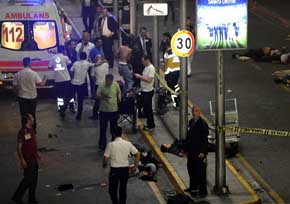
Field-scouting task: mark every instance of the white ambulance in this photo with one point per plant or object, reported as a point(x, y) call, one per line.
point(28, 28)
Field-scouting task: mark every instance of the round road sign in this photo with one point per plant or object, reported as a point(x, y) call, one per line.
point(182, 43)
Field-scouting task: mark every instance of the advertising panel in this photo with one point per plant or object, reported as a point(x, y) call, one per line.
point(222, 24)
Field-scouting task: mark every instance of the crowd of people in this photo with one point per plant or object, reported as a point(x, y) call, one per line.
point(84, 68)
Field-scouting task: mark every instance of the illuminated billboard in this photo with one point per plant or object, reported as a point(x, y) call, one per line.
point(222, 24)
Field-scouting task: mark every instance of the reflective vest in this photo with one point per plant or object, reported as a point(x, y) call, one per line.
point(172, 62)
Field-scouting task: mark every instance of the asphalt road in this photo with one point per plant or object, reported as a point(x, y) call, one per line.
point(261, 103)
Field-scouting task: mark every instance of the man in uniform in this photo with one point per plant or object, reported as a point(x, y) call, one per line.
point(196, 147)
point(172, 70)
point(25, 82)
point(27, 154)
point(118, 152)
point(59, 63)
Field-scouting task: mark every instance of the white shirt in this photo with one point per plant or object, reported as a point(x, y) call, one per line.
point(26, 81)
point(100, 72)
point(105, 30)
point(59, 64)
point(148, 71)
point(87, 48)
point(80, 69)
point(118, 151)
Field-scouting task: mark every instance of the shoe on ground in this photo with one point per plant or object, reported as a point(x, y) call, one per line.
point(188, 190)
point(72, 110)
point(147, 127)
point(202, 194)
point(78, 117)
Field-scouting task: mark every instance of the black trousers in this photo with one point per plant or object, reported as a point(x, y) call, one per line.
point(29, 182)
point(197, 173)
point(172, 79)
point(88, 13)
point(96, 105)
point(64, 91)
point(81, 91)
point(27, 106)
point(118, 179)
point(146, 98)
point(108, 50)
point(106, 117)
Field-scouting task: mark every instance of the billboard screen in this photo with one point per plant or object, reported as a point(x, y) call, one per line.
point(222, 24)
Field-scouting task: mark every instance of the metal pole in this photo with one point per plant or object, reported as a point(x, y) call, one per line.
point(133, 17)
point(220, 173)
point(116, 14)
point(183, 120)
point(155, 53)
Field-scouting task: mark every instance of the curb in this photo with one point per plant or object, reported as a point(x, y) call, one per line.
point(173, 176)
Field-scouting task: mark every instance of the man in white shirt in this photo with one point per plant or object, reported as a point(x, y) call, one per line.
point(118, 152)
point(147, 90)
point(85, 45)
point(99, 72)
point(25, 82)
point(59, 63)
point(80, 72)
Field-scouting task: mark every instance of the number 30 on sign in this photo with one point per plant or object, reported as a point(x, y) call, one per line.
point(182, 43)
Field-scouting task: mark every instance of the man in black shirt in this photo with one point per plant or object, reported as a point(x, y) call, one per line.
point(196, 147)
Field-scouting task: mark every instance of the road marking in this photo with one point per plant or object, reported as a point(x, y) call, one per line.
point(157, 192)
point(259, 179)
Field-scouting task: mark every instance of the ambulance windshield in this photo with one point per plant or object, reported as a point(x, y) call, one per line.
point(28, 35)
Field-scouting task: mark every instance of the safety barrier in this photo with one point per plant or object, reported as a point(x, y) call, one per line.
point(237, 129)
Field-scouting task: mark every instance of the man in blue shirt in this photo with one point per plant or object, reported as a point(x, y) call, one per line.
point(97, 50)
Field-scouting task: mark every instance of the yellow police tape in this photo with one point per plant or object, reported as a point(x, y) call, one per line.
point(236, 129)
point(257, 131)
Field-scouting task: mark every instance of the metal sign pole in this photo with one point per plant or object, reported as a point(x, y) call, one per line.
point(133, 17)
point(116, 14)
point(183, 120)
point(220, 173)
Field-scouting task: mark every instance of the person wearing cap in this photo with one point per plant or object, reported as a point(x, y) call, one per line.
point(118, 152)
point(25, 82)
point(27, 154)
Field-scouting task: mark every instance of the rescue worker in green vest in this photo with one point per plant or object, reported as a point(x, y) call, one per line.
point(172, 70)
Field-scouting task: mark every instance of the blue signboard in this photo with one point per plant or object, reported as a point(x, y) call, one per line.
point(222, 24)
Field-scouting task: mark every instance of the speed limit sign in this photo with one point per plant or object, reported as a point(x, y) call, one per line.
point(182, 43)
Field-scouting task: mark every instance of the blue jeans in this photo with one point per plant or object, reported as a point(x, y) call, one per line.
point(127, 75)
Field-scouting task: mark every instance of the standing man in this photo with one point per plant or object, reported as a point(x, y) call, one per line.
point(124, 54)
point(141, 45)
point(59, 63)
point(108, 28)
point(85, 45)
point(99, 72)
point(27, 154)
point(80, 70)
point(88, 13)
point(172, 70)
point(109, 94)
point(147, 90)
point(196, 147)
point(96, 51)
point(118, 152)
point(25, 82)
